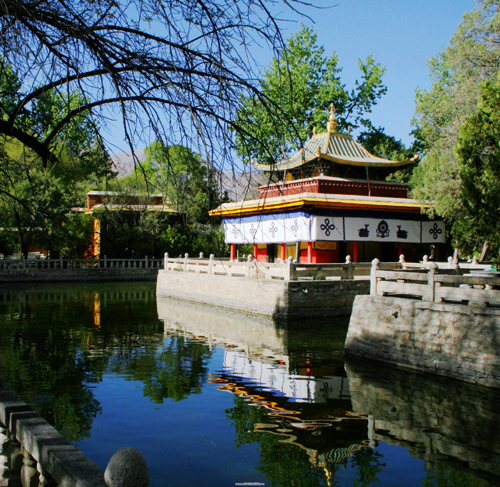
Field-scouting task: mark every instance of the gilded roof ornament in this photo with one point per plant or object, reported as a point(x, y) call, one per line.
point(314, 130)
point(332, 123)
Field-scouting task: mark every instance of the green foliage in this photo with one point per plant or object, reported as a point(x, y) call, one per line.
point(36, 197)
point(457, 72)
point(299, 87)
point(478, 150)
point(185, 180)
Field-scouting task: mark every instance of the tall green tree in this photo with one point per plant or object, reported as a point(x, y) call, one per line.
point(478, 151)
point(36, 194)
point(300, 85)
point(472, 56)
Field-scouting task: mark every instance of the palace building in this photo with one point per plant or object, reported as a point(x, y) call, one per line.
point(331, 200)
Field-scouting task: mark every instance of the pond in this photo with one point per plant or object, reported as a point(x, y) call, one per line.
point(218, 398)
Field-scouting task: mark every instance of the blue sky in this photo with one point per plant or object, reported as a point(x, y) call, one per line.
point(402, 35)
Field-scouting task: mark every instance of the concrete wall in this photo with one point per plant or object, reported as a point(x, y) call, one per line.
point(270, 297)
point(54, 275)
point(453, 340)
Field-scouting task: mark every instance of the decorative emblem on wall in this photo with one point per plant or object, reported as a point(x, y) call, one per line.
point(383, 229)
point(401, 233)
point(295, 227)
point(252, 231)
point(364, 232)
point(273, 229)
point(435, 231)
point(327, 227)
point(235, 230)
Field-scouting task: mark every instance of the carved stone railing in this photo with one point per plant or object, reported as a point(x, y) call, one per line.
point(287, 270)
point(435, 283)
point(12, 265)
point(33, 453)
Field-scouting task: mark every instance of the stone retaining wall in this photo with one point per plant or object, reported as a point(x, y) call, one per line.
point(270, 297)
point(453, 340)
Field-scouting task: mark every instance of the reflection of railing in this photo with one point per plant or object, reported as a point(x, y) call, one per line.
point(437, 284)
point(13, 265)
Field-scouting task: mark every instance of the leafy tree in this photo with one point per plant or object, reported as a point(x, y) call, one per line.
point(173, 69)
point(301, 84)
point(478, 154)
point(471, 57)
point(36, 198)
point(187, 182)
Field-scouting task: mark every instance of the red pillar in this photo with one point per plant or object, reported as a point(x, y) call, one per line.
point(283, 251)
point(233, 252)
point(255, 251)
point(354, 252)
point(309, 252)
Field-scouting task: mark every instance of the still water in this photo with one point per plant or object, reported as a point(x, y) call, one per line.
point(217, 398)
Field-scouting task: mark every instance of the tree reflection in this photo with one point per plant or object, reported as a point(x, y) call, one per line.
point(178, 370)
point(56, 345)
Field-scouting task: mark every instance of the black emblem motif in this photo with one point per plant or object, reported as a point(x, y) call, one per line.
point(383, 229)
point(364, 232)
point(435, 231)
point(295, 227)
point(401, 233)
point(273, 229)
point(327, 227)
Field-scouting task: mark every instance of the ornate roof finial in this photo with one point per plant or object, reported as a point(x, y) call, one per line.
point(314, 130)
point(332, 123)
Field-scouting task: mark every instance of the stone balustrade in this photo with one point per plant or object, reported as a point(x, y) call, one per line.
point(33, 453)
point(285, 270)
point(461, 284)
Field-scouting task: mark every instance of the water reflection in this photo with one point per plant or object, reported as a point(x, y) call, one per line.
point(451, 425)
point(279, 391)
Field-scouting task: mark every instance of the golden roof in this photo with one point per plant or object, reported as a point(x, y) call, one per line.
point(335, 147)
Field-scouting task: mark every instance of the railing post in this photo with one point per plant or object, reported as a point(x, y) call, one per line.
point(402, 261)
point(431, 289)
point(105, 261)
point(24, 262)
point(249, 265)
point(373, 277)
point(291, 274)
point(211, 264)
point(475, 261)
point(186, 255)
point(145, 261)
point(60, 261)
point(165, 261)
point(201, 255)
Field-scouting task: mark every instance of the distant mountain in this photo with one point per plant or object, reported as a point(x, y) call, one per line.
point(239, 185)
point(123, 162)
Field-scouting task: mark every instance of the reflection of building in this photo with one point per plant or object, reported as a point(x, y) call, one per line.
point(305, 403)
point(101, 201)
point(331, 200)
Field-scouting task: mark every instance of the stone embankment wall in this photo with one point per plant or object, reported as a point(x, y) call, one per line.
point(453, 340)
point(269, 297)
